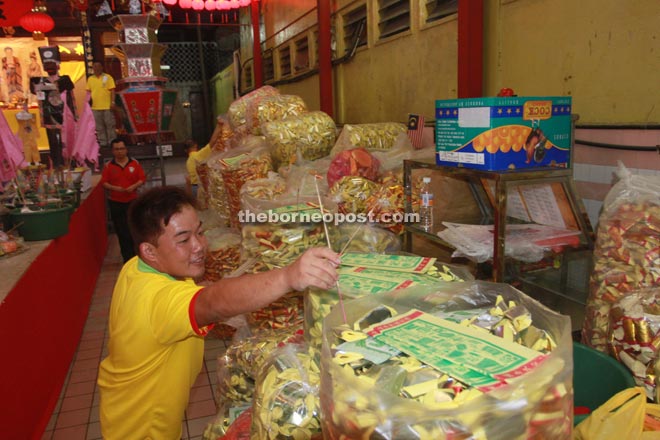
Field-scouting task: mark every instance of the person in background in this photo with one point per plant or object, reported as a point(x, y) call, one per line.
point(159, 316)
point(102, 89)
point(194, 157)
point(122, 176)
point(53, 87)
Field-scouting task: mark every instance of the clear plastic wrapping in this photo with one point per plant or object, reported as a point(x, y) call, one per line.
point(286, 398)
point(269, 108)
point(351, 193)
point(239, 367)
point(223, 254)
point(278, 245)
point(222, 135)
point(248, 162)
point(237, 112)
point(256, 193)
point(635, 337)
point(355, 162)
point(380, 136)
point(363, 238)
point(626, 255)
point(216, 194)
point(359, 399)
point(309, 136)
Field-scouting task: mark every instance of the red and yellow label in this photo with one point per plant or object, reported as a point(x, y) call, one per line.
point(537, 110)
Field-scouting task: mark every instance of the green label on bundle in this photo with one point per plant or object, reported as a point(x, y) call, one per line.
point(403, 278)
point(476, 358)
point(372, 349)
point(398, 263)
point(364, 284)
point(307, 209)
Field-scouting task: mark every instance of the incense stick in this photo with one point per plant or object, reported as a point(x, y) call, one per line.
point(327, 236)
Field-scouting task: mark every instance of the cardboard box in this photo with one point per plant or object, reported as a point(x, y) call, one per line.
point(503, 133)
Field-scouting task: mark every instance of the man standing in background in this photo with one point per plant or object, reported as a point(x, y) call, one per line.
point(122, 177)
point(102, 89)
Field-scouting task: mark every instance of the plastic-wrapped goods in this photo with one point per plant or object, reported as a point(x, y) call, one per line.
point(635, 337)
point(355, 162)
point(223, 254)
point(380, 136)
point(351, 193)
point(255, 192)
point(363, 238)
point(272, 108)
point(222, 135)
point(240, 165)
point(626, 255)
point(304, 177)
point(202, 169)
point(387, 205)
point(471, 360)
point(240, 365)
point(211, 219)
point(309, 136)
point(216, 194)
point(355, 282)
point(392, 160)
point(287, 311)
point(237, 112)
point(286, 398)
point(279, 245)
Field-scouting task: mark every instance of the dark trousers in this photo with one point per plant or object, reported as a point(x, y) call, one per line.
point(55, 144)
point(119, 216)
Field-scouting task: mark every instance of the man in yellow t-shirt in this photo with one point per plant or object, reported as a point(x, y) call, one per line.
point(195, 156)
point(102, 89)
point(158, 315)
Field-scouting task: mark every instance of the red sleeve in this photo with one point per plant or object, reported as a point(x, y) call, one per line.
point(105, 174)
point(193, 322)
point(141, 174)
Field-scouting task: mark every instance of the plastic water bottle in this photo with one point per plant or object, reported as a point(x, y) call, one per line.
point(426, 205)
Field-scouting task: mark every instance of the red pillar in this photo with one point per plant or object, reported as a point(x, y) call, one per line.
point(325, 57)
point(470, 48)
point(256, 48)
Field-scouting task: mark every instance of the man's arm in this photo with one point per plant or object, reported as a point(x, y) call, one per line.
point(232, 296)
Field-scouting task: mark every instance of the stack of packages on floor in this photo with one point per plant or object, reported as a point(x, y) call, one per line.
point(621, 313)
point(470, 360)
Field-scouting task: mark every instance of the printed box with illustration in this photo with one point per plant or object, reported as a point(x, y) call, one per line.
point(503, 133)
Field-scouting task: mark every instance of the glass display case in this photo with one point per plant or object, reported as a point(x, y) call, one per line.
point(536, 196)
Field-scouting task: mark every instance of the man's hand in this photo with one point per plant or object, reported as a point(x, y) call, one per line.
point(317, 267)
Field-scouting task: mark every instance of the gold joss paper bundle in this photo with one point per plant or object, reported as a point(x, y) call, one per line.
point(627, 251)
point(448, 389)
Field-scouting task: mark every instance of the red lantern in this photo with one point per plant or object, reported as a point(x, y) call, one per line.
point(170, 2)
point(185, 4)
point(197, 5)
point(37, 22)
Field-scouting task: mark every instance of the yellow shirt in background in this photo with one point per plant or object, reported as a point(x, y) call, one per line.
point(193, 159)
point(155, 354)
point(101, 91)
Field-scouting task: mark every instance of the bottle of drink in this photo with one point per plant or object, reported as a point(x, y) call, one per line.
point(426, 205)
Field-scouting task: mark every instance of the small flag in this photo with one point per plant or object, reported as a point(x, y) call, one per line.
point(415, 130)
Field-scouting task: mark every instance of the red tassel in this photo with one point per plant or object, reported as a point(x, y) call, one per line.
point(187, 19)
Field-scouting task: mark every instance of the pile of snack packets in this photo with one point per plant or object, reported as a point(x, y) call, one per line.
point(627, 252)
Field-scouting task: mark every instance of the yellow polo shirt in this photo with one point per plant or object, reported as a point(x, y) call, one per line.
point(193, 159)
point(155, 354)
point(101, 91)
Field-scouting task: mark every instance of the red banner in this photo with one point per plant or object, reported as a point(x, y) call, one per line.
point(12, 10)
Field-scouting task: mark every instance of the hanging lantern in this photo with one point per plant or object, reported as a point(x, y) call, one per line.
point(244, 3)
point(198, 5)
point(209, 5)
point(223, 5)
point(170, 2)
point(38, 23)
point(185, 4)
point(234, 4)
